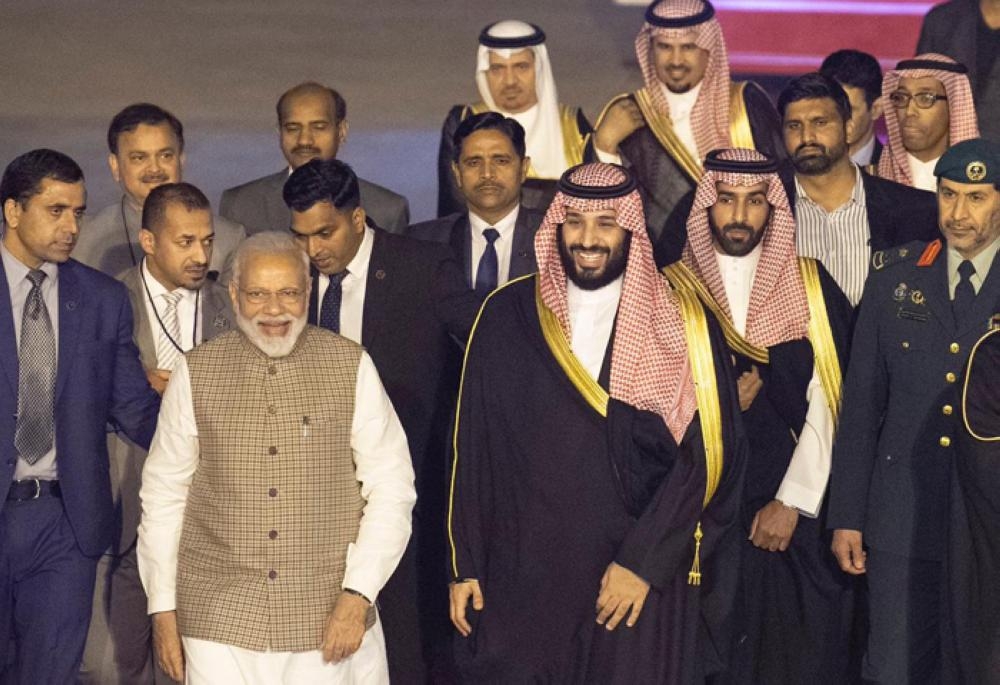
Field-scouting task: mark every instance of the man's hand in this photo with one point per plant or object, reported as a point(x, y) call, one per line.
point(158, 379)
point(460, 592)
point(773, 526)
point(345, 627)
point(621, 590)
point(621, 120)
point(167, 644)
point(848, 550)
point(748, 385)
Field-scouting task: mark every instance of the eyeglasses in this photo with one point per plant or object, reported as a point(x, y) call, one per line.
point(901, 99)
point(286, 296)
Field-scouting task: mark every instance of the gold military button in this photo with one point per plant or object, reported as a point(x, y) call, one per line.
point(945, 441)
point(906, 345)
point(954, 347)
point(947, 410)
point(950, 377)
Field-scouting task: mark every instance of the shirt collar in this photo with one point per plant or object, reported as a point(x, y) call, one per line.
point(681, 104)
point(865, 153)
point(17, 270)
point(578, 297)
point(359, 265)
point(505, 226)
point(857, 194)
point(747, 262)
point(982, 261)
point(157, 289)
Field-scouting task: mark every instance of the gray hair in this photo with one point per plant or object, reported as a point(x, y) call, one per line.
point(272, 243)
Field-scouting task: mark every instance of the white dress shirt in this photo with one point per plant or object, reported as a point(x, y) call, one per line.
point(591, 319)
point(156, 307)
point(383, 467)
point(19, 286)
point(804, 484)
point(737, 278)
point(503, 244)
point(923, 173)
point(353, 287)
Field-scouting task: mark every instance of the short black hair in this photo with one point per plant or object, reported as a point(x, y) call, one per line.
point(130, 118)
point(339, 104)
point(154, 210)
point(815, 86)
point(856, 69)
point(22, 179)
point(322, 180)
point(488, 121)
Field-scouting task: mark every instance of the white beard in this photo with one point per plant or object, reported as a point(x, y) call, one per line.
point(272, 346)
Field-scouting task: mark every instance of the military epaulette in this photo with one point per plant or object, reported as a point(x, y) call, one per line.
point(931, 252)
point(896, 255)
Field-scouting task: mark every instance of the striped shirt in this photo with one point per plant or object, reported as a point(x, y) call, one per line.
point(838, 239)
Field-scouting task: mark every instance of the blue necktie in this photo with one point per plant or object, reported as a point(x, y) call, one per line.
point(965, 294)
point(489, 269)
point(329, 311)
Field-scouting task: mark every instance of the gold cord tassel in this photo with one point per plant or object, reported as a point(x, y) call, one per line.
point(694, 576)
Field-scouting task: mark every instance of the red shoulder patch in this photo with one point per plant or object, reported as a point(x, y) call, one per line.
point(930, 253)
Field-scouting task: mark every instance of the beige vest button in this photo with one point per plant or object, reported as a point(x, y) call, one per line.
point(273, 535)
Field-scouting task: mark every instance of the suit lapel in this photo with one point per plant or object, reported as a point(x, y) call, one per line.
point(8, 340)
point(461, 244)
point(522, 249)
point(880, 227)
point(278, 213)
point(986, 302)
point(376, 291)
point(216, 316)
point(70, 311)
point(143, 330)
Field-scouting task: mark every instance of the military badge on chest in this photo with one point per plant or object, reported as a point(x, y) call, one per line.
point(912, 303)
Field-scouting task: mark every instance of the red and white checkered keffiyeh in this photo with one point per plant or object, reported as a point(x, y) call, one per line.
point(961, 114)
point(710, 116)
point(779, 310)
point(649, 362)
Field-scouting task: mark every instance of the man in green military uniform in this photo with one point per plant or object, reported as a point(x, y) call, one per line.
point(923, 307)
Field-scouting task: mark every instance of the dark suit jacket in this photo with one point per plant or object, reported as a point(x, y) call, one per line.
point(260, 206)
point(453, 230)
point(897, 213)
point(893, 450)
point(416, 305)
point(127, 459)
point(99, 380)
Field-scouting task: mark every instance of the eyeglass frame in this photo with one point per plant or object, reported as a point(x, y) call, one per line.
point(907, 97)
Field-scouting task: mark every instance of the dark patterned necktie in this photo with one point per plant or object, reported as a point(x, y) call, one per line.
point(329, 311)
point(965, 294)
point(35, 428)
point(489, 268)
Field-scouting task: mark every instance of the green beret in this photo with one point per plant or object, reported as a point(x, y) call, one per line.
point(971, 161)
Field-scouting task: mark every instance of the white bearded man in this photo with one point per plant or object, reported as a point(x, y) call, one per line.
point(928, 108)
point(689, 107)
point(514, 78)
point(598, 459)
point(787, 325)
point(276, 496)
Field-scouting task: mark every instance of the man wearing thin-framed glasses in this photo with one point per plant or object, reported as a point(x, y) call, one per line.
point(928, 108)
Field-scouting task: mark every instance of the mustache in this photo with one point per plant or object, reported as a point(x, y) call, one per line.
point(737, 226)
point(299, 149)
point(806, 146)
point(594, 248)
point(154, 178)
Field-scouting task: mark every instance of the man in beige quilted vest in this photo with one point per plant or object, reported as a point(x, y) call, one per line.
point(276, 496)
